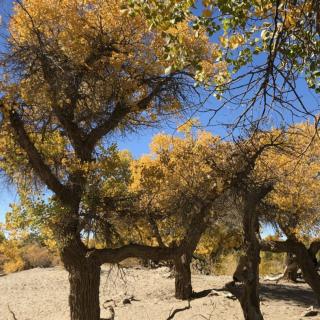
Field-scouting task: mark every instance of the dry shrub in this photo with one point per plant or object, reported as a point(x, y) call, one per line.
point(2, 260)
point(35, 256)
point(272, 263)
point(226, 264)
point(16, 256)
point(131, 263)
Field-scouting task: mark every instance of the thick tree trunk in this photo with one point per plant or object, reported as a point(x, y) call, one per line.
point(198, 224)
point(183, 287)
point(250, 302)
point(84, 292)
point(84, 278)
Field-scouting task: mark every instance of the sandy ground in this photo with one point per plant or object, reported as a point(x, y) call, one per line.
point(42, 294)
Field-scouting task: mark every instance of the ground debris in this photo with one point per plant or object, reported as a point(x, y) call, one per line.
point(310, 312)
point(111, 313)
point(224, 294)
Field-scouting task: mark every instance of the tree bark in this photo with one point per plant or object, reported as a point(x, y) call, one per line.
point(183, 286)
point(250, 302)
point(308, 268)
point(84, 292)
point(84, 278)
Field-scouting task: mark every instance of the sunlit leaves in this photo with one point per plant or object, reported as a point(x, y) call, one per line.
point(289, 28)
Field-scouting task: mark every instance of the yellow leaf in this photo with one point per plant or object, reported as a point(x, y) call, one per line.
point(207, 13)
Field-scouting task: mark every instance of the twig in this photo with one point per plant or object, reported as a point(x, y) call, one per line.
point(13, 314)
point(171, 316)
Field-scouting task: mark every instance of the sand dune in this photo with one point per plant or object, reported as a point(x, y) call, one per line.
point(42, 294)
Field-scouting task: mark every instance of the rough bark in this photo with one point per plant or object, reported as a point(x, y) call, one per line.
point(197, 226)
point(84, 279)
point(308, 268)
point(250, 302)
point(84, 291)
point(183, 287)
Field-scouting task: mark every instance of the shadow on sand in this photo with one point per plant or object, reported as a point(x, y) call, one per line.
point(294, 293)
point(282, 292)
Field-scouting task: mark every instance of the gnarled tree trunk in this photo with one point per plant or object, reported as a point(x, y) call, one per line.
point(250, 301)
point(84, 278)
point(183, 286)
point(250, 298)
point(197, 226)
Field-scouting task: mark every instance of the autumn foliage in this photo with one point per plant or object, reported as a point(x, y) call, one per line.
point(76, 75)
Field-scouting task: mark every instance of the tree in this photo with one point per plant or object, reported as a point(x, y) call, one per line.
point(75, 73)
point(179, 184)
point(293, 205)
point(250, 189)
point(268, 45)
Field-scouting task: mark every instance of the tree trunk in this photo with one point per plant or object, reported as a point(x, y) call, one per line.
point(308, 268)
point(84, 292)
point(250, 302)
point(250, 298)
point(84, 278)
point(183, 287)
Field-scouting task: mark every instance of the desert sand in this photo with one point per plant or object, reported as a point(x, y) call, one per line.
point(42, 294)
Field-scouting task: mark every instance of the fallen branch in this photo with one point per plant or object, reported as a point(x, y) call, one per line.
point(12, 313)
point(172, 315)
point(274, 278)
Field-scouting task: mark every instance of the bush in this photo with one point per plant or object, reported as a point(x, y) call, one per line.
point(16, 256)
point(226, 264)
point(35, 256)
point(14, 265)
point(272, 263)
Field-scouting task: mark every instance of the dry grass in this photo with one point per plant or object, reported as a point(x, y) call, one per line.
point(226, 264)
point(271, 264)
point(35, 256)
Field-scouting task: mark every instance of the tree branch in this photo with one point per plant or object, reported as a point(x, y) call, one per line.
point(133, 251)
point(36, 160)
point(277, 246)
point(119, 113)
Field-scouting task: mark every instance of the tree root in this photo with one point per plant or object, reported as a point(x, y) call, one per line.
point(172, 314)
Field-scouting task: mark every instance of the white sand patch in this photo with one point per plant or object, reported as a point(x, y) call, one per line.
point(42, 294)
